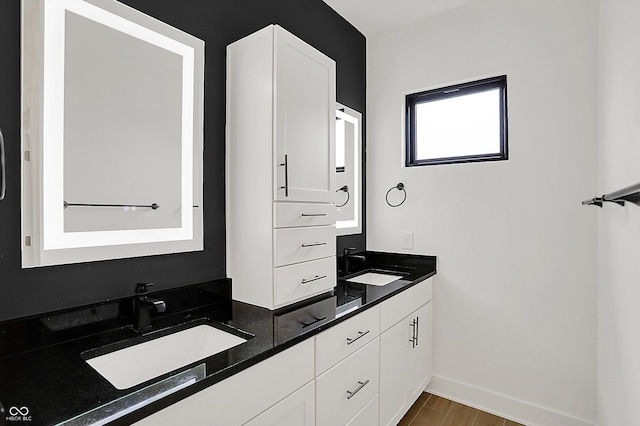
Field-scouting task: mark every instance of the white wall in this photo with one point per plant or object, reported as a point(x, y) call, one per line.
point(619, 227)
point(515, 295)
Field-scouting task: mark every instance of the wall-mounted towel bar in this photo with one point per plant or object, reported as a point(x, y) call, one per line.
point(630, 194)
point(153, 206)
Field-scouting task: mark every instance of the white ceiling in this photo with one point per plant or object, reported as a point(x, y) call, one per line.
point(374, 16)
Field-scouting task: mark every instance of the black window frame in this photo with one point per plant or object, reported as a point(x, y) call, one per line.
point(413, 99)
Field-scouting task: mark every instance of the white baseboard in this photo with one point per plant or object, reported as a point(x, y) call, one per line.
point(501, 405)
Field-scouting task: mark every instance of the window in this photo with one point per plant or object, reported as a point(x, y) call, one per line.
point(458, 124)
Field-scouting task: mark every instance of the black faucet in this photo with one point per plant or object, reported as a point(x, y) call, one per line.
point(346, 256)
point(143, 305)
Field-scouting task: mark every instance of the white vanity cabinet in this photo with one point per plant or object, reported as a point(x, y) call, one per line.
point(405, 351)
point(268, 385)
point(365, 371)
point(280, 169)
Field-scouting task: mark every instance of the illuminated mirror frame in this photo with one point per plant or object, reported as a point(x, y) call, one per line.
point(43, 41)
point(353, 226)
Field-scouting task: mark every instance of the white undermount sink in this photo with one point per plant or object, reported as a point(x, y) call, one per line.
point(136, 364)
point(375, 278)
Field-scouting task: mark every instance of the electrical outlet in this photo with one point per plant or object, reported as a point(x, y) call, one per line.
point(407, 240)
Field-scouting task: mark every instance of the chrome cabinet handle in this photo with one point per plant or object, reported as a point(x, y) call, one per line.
point(3, 182)
point(351, 394)
point(316, 278)
point(417, 330)
point(286, 176)
point(313, 244)
point(312, 214)
point(361, 334)
point(414, 338)
point(316, 320)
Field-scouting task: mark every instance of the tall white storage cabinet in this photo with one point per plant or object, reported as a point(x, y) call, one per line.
point(280, 169)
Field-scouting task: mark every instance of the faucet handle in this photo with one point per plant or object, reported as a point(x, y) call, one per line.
point(143, 288)
point(348, 250)
point(159, 305)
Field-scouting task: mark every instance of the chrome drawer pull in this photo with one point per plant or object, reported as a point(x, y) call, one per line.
point(312, 214)
point(313, 244)
point(414, 338)
point(315, 320)
point(286, 176)
point(360, 334)
point(350, 394)
point(316, 278)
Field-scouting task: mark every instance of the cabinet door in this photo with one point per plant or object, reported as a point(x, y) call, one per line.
point(304, 121)
point(394, 348)
point(238, 399)
point(419, 354)
point(405, 364)
point(298, 409)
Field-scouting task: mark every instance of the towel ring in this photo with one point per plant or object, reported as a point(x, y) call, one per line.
point(345, 189)
point(400, 187)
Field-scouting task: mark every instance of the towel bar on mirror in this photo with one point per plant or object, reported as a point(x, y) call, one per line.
point(152, 206)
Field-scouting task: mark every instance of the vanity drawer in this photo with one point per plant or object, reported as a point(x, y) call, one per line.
point(289, 215)
point(346, 389)
point(340, 341)
point(299, 281)
point(295, 245)
point(368, 415)
point(396, 308)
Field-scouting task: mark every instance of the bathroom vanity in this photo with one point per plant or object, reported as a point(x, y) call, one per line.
point(347, 357)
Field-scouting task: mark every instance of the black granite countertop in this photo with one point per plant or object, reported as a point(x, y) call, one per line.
point(42, 360)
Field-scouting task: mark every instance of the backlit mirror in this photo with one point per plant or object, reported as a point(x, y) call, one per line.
point(112, 117)
point(348, 192)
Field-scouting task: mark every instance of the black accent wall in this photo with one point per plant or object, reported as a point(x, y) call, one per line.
point(28, 292)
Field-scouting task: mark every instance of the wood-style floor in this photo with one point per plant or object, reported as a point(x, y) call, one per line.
point(432, 410)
